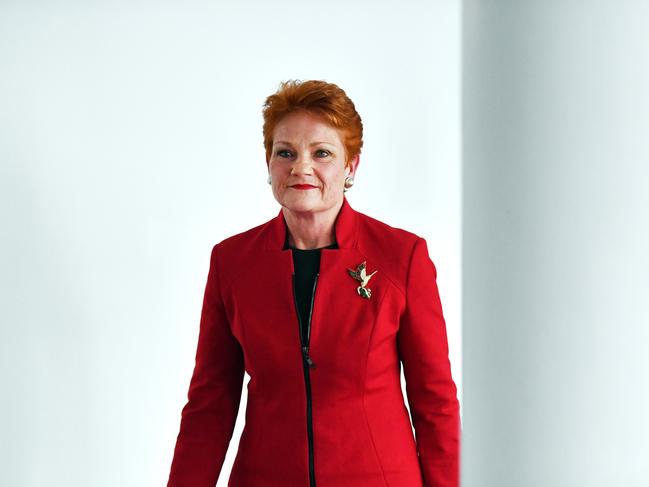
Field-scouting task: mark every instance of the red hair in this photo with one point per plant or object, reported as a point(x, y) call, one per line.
point(320, 98)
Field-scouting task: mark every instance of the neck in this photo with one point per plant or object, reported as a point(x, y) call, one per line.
point(311, 229)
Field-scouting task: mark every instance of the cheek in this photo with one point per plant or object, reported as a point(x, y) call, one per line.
point(334, 176)
point(277, 171)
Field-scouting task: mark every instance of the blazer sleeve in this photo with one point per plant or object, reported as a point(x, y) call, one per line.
point(431, 391)
point(209, 415)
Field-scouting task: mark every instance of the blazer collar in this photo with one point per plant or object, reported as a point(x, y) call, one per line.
point(345, 228)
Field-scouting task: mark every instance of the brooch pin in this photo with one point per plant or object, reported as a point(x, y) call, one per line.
point(360, 275)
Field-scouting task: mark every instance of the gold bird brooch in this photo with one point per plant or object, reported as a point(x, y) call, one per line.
point(360, 275)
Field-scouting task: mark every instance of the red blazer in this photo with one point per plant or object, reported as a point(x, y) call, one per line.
point(329, 412)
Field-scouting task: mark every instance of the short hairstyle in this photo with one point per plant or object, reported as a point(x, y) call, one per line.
point(318, 97)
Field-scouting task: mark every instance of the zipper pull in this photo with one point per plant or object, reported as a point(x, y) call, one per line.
point(305, 352)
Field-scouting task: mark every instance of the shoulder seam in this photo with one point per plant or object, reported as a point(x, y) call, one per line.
point(217, 276)
point(412, 256)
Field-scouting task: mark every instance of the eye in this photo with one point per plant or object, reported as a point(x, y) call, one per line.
point(324, 153)
point(281, 153)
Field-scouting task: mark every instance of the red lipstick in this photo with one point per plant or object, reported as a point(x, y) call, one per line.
point(303, 186)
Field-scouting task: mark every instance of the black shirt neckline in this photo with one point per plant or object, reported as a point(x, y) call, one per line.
point(287, 246)
point(332, 246)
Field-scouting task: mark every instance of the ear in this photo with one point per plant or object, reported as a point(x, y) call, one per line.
point(353, 164)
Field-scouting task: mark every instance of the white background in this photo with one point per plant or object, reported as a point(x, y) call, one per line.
point(130, 143)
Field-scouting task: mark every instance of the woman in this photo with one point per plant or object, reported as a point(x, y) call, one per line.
point(320, 305)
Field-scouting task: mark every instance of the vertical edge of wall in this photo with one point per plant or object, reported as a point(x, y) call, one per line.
point(555, 243)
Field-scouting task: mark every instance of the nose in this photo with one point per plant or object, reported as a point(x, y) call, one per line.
point(302, 165)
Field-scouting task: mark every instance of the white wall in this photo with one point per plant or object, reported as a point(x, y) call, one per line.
point(130, 143)
point(556, 241)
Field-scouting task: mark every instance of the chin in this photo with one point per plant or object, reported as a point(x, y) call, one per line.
point(303, 203)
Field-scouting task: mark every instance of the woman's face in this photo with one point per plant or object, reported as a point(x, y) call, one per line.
point(307, 150)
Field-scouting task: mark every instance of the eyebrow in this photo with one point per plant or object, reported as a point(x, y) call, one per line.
point(312, 143)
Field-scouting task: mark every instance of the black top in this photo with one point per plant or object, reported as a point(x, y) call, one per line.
point(306, 263)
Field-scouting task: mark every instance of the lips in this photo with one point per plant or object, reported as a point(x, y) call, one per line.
point(303, 186)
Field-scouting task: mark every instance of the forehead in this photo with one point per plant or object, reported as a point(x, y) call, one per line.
point(302, 126)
